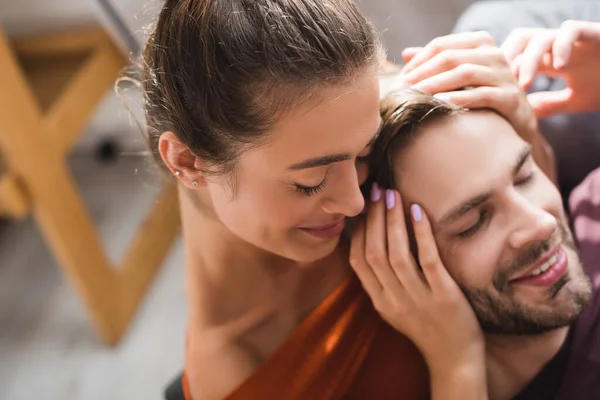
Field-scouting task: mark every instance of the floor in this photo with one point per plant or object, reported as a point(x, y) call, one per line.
point(47, 346)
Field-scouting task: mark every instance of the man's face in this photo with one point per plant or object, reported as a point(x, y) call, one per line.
point(498, 222)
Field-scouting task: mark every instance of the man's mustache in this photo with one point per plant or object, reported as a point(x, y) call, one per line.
point(530, 255)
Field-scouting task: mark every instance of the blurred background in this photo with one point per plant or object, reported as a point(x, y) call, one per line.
point(92, 302)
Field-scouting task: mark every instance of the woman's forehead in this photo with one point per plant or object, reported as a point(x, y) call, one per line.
point(344, 120)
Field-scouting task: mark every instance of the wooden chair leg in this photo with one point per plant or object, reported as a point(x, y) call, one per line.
point(110, 295)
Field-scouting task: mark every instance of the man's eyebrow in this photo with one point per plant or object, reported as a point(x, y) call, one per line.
point(330, 159)
point(522, 159)
point(463, 208)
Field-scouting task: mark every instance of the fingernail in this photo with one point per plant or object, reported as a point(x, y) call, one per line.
point(375, 193)
point(415, 209)
point(442, 97)
point(558, 62)
point(523, 80)
point(364, 210)
point(390, 199)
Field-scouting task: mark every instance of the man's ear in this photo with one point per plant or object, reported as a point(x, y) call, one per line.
point(184, 165)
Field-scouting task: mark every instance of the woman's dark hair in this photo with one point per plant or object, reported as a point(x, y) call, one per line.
point(219, 73)
point(404, 114)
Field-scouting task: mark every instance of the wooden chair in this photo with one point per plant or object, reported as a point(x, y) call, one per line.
point(49, 87)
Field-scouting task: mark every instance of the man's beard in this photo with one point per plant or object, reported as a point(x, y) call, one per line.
point(499, 312)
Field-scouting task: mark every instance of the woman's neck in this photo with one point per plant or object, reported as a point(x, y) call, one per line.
point(222, 268)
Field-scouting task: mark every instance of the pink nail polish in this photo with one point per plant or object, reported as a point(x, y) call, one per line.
point(415, 209)
point(375, 193)
point(390, 199)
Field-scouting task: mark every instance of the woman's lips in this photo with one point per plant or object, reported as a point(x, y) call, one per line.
point(326, 231)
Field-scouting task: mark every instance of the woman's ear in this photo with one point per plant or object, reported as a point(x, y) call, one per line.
point(184, 165)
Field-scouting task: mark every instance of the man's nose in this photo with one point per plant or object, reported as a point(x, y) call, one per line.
point(533, 225)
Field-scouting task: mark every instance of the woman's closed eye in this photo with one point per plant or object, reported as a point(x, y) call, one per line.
point(316, 189)
point(311, 190)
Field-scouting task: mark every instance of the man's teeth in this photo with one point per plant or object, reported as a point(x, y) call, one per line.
point(545, 266)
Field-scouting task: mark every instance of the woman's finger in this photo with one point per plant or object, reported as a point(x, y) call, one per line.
point(376, 243)
point(450, 59)
point(532, 57)
point(464, 75)
point(464, 40)
point(438, 278)
point(400, 257)
point(359, 264)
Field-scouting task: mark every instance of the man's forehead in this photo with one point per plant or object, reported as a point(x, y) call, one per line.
point(460, 156)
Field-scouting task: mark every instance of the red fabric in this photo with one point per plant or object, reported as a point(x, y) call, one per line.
point(343, 350)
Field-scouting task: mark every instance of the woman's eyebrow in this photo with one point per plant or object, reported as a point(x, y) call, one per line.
point(332, 158)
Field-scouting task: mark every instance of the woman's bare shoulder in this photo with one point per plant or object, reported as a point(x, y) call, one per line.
point(215, 366)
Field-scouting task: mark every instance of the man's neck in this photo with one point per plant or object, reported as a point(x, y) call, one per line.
point(514, 361)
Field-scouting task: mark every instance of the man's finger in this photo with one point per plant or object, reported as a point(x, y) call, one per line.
point(463, 76)
point(478, 97)
point(450, 59)
point(464, 40)
point(516, 42)
point(569, 33)
point(532, 57)
point(545, 104)
point(410, 52)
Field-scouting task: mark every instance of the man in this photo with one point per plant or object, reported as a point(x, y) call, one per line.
point(470, 178)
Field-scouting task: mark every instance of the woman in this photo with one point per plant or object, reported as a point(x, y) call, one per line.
point(265, 112)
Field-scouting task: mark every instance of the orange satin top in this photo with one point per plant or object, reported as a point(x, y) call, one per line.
point(342, 351)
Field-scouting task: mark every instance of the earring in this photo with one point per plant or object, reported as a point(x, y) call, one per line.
point(176, 173)
point(195, 183)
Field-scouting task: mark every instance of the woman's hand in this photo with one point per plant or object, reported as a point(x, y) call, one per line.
point(571, 52)
point(427, 306)
point(469, 70)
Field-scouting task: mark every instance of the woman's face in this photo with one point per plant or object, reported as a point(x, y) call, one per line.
point(291, 196)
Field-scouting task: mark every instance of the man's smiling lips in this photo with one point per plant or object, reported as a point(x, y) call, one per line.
point(547, 270)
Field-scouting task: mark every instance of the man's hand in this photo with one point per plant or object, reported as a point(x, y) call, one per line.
point(467, 69)
point(571, 52)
